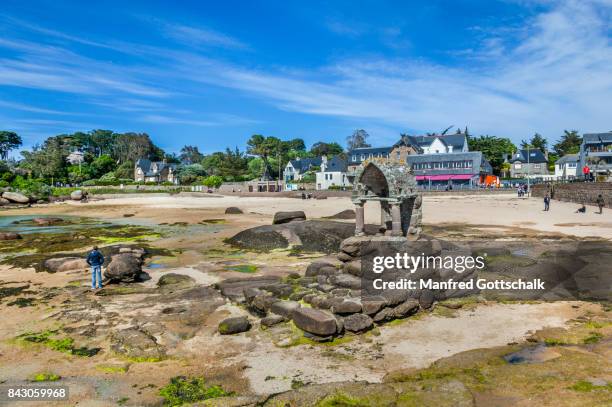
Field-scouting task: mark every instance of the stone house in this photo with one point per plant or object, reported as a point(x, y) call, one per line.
point(154, 171)
point(532, 163)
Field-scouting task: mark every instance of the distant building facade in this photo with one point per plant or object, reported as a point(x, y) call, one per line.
point(532, 163)
point(435, 170)
point(566, 167)
point(295, 169)
point(333, 173)
point(596, 153)
point(154, 171)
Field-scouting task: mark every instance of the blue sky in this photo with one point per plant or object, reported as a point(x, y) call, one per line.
point(213, 73)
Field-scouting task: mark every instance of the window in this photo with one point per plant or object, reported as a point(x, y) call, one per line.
point(571, 165)
point(517, 166)
point(537, 166)
point(354, 158)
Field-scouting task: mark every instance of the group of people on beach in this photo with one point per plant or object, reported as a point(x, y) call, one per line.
point(600, 202)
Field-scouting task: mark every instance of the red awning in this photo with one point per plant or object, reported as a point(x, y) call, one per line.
point(445, 177)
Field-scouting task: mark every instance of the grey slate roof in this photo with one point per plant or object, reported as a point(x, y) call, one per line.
point(304, 164)
point(596, 138)
point(455, 140)
point(536, 156)
point(336, 164)
point(145, 165)
point(568, 158)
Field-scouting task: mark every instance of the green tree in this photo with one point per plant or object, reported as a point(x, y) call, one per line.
point(358, 139)
point(329, 149)
point(537, 141)
point(493, 149)
point(213, 181)
point(9, 140)
point(264, 147)
point(190, 155)
point(102, 165)
point(568, 144)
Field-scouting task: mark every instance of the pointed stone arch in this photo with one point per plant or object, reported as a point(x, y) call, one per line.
point(394, 186)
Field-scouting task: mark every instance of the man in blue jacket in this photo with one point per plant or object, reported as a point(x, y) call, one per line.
point(95, 260)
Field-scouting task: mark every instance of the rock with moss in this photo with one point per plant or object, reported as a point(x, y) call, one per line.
point(62, 264)
point(357, 323)
point(137, 343)
point(235, 325)
point(315, 321)
point(174, 279)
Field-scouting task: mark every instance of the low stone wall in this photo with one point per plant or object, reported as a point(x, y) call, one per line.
point(578, 192)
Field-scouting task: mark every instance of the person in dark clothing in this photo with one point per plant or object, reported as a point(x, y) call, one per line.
point(95, 260)
point(600, 203)
point(547, 202)
point(582, 209)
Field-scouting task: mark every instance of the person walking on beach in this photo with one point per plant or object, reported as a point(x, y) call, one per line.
point(547, 202)
point(600, 203)
point(95, 260)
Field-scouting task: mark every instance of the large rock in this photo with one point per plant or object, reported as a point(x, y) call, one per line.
point(234, 288)
point(65, 264)
point(384, 315)
point(357, 323)
point(311, 235)
point(371, 305)
point(137, 343)
point(174, 279)
point(346, 281)
point(284, 308)
point(232, 210)
point(4, 201)
point(123, 267)
point(47, 221)
point(15, 197)
point(345, 214)
point(315, 321)
point(286, 217)
point(320, 268)
point(230, 326)
point(406, 308)
point(346, 307)
point(10, 236)
point(77, 195)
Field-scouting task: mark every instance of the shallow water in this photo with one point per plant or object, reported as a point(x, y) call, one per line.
point(535, 354)
point(10, 224)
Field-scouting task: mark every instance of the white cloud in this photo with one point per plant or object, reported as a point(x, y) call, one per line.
point(556, 77)
point(551, 73)
point(199, 36)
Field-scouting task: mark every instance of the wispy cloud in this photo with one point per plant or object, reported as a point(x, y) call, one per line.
point(550, 73)
point(34, 109)
point(555, 77)
point(200, 36)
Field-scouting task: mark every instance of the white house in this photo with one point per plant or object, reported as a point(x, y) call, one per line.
point(333, 173)
point(566, 166)
point(295, 170)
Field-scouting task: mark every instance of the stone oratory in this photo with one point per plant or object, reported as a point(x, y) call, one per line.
point(393, 185)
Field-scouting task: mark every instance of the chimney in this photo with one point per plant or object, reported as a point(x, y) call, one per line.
point(165, 161)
